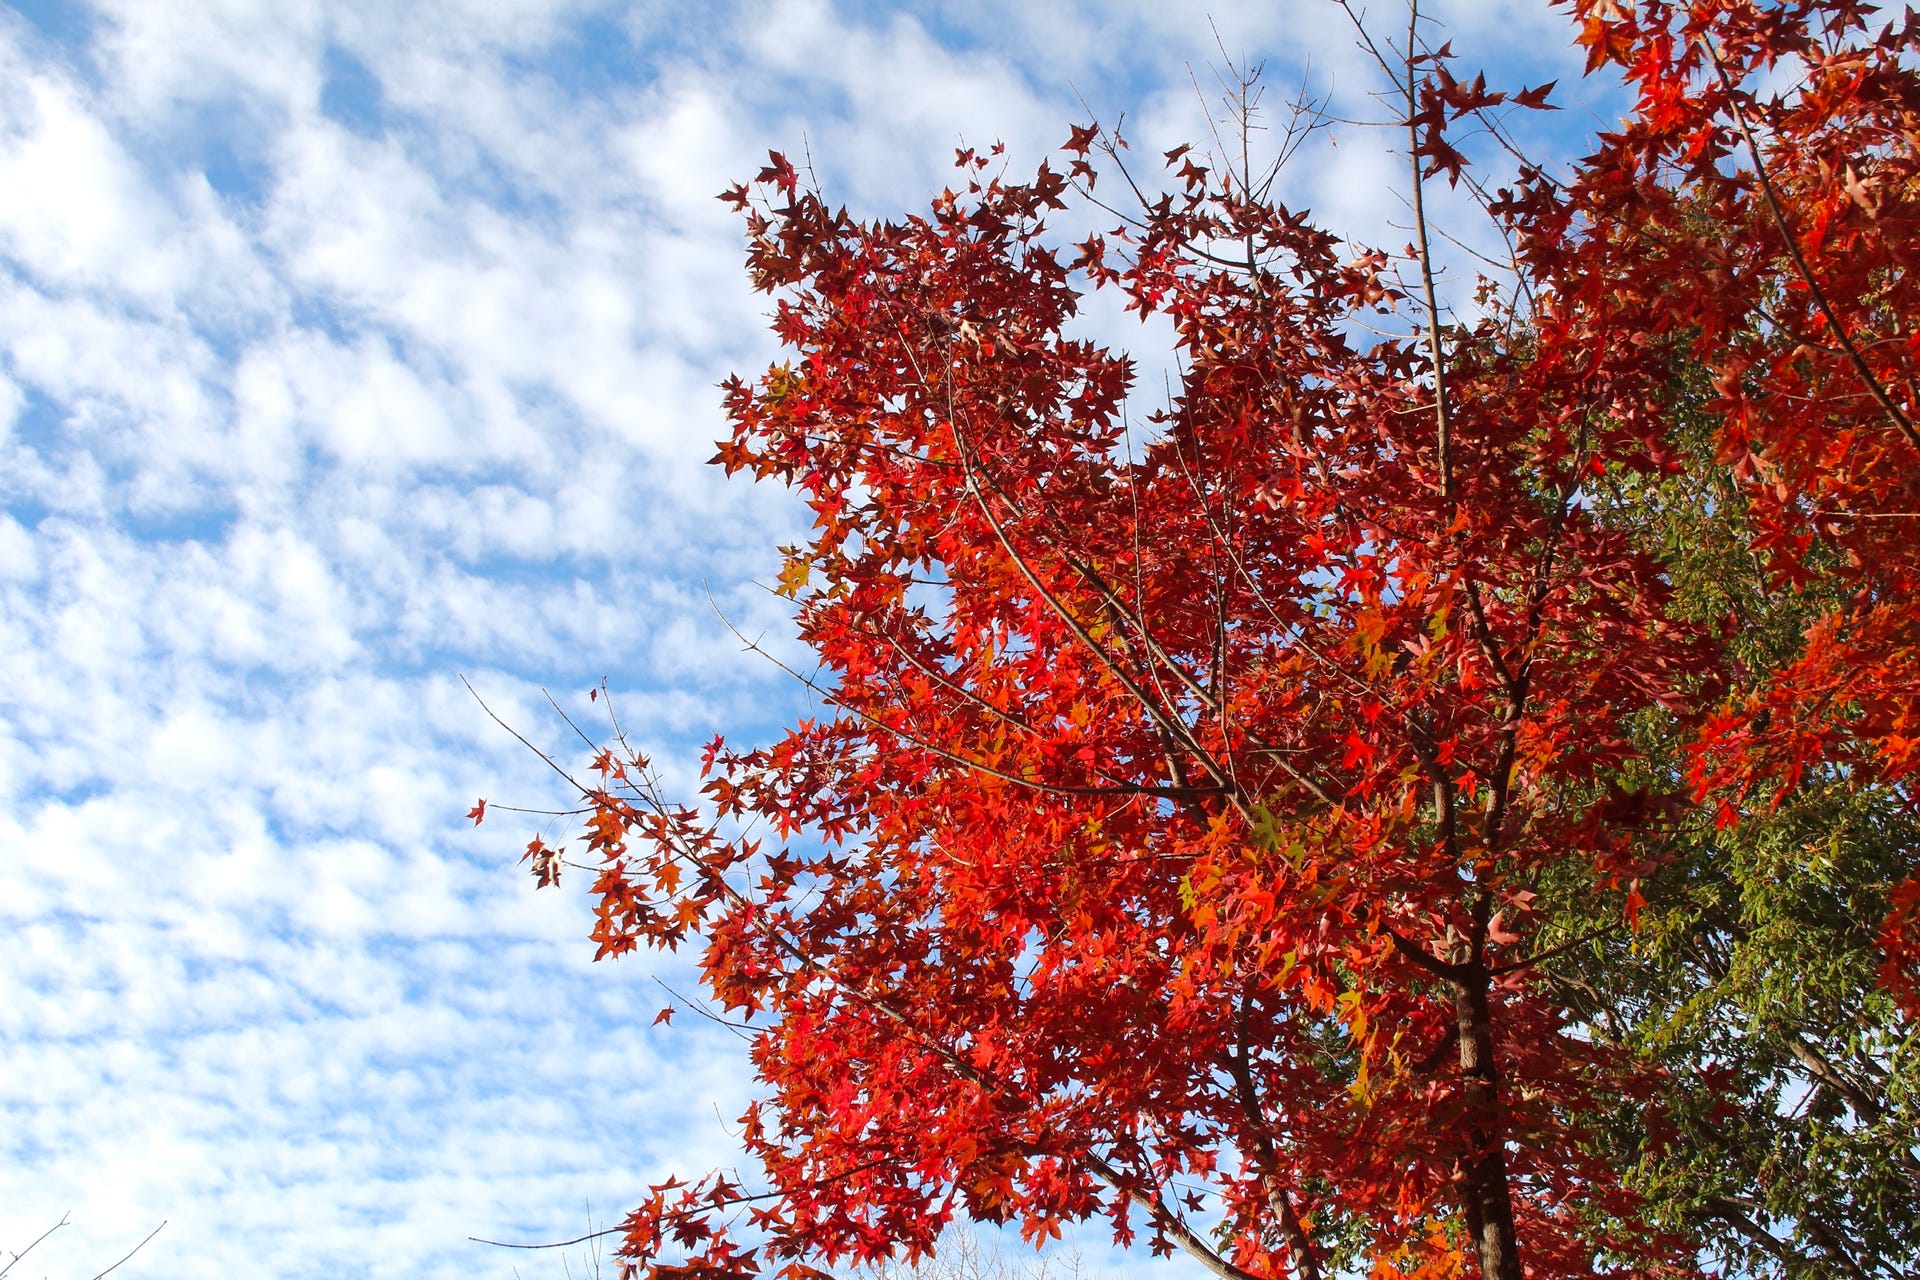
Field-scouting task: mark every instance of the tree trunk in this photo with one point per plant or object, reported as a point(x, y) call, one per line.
point(1485, 1199)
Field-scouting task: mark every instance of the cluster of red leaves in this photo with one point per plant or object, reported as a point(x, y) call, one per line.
point(1166, 853)
point(1779, 230)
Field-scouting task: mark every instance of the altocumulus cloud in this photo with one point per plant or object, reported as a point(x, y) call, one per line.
point(344, 348)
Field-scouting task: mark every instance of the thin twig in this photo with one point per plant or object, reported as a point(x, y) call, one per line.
point(521, 738)
point(137, 1248)
point(551, 1244)
point(37, 1239)
point(1551, 952)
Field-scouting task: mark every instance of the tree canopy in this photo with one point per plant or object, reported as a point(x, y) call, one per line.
point(1433, 799)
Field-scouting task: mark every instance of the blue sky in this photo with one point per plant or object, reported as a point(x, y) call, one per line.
point(349, 347)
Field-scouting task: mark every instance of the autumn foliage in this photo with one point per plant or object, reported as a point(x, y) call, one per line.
point(1187, 836)
point(1778, 233)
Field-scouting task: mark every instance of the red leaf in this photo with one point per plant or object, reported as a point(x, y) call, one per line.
point(1536, 97)
point(779, 173)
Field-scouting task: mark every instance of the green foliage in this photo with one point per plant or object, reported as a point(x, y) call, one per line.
point(1778, 1127)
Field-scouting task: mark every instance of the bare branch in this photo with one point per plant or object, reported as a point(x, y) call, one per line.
point(137, 1248)
point(36, 1240)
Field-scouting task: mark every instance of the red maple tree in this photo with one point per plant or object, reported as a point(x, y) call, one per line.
point(1764, 202)
point(1167, 850)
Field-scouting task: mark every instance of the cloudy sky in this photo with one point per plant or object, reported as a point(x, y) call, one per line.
point(347, 348)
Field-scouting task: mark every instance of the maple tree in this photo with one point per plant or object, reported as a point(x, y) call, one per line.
point(1275, 827)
